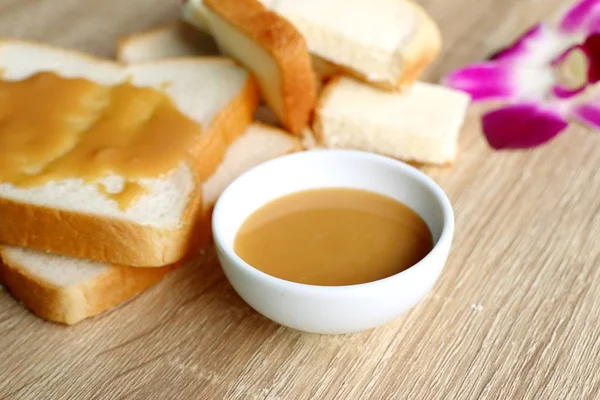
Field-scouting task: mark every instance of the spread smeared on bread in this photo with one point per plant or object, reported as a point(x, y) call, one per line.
point(56, 128)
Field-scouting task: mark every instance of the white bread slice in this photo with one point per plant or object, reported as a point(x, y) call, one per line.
point(260, 143)
point(193, 13)
point(421, 124)
point(273, 50)
point(68, 290)
point(174, 40)
point(155, 230)
point(387, 43)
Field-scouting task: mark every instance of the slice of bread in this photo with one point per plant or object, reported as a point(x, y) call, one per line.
point(68, 290)
point(194, 13)
point(260, 143)
point(421, 124)
point(72, 217)
point(387, 43)
point(273, 50)
point(174, 40)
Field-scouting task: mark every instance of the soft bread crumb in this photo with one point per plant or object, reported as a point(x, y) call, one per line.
point(421, 124)
point(163, 205)
point(260, 143)
point(309, 141)
point(55, 269)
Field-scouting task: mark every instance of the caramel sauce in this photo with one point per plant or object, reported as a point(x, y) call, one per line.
point(54, 128)
point(333, 237)
point(128, 195)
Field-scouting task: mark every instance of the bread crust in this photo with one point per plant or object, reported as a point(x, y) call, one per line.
point(228, 125)
point(119, 241)
point(287, 47)
point(422, 50)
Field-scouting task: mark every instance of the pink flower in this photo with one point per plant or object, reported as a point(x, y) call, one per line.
point(548, 76)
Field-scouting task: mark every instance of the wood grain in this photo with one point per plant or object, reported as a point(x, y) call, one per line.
point(515, 314)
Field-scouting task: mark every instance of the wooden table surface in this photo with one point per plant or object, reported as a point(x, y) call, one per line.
point(515, 314)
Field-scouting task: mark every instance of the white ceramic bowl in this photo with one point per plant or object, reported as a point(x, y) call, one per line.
point(332, 309)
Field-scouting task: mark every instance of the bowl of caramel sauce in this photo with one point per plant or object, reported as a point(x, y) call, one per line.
point(333, 241)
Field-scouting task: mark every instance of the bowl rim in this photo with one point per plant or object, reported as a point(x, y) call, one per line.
point(438, 193)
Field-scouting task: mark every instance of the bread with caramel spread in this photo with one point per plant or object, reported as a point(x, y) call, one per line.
point(106, 162)
point(68, 290)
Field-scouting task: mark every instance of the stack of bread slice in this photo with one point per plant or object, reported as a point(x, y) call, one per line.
point(69, 252)
point(261, 79)
point(367, 57)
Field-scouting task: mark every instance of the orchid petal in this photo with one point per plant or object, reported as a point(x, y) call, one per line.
point(588, 114)
point(594, 24)
point(562, 92)
point(520, 49)
point(484, 81)
point(591, 47)
point(580, 18)
point(521, 126)
point(537, 48)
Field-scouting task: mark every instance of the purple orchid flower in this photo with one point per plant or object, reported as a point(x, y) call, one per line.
point(548, 76)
